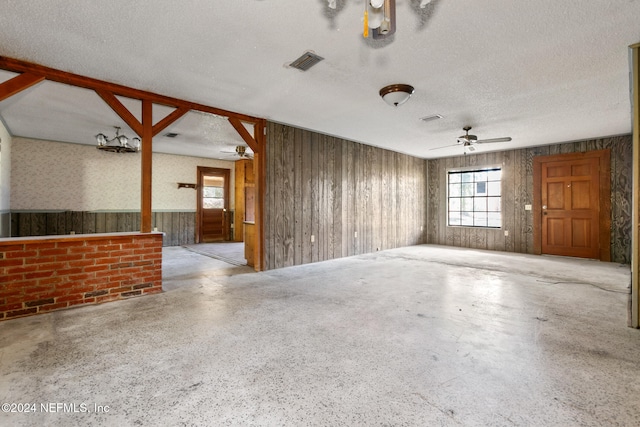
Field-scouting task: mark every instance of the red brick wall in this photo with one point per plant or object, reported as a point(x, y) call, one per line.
point(40, 274)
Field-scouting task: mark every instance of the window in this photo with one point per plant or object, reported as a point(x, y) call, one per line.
point(474, 198)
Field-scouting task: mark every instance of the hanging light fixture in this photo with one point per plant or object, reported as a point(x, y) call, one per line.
point(118, 144)
point(379, 17)
point(397, 94)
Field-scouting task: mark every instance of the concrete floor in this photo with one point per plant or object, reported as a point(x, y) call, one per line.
point(418, 336)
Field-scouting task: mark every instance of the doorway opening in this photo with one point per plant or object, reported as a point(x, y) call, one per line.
point(213, 205)
point(217, 226)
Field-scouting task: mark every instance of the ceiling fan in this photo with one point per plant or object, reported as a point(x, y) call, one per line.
point(242, 152)
point(468, 141)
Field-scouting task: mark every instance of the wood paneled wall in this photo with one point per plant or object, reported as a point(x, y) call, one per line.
point(517, 191)
point(352, 198)
point(179, 227)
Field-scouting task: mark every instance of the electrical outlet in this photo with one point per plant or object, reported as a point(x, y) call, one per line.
point(313, 238)
point(355, 234)
point(506, 232)
point(421, 227)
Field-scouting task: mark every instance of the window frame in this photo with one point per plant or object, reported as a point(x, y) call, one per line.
point(475, 169)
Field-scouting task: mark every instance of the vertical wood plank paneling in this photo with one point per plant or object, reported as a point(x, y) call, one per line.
point(345, 191)
point(385, 219)
point(101, 225)
point(75, 219)
point(307, 202)
point(329, 188)
point(339, 188)
point(337, 198)
point(24, 223)
point(297, 197)
point(88, 222)
point(111, 222)
point(287, 194)
point(529, 195)
point(356, 197)
point(14, 218)
point(393, 196)
point(178, 226)
point(280, 208)
point(314, 194)
point(321, 200)
point(518, 169)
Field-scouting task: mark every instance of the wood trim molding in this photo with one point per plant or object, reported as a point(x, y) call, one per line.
point(244, 133)
point(260, 168)
point(146, 166)
point(121, 110)
point(18, 84)
point(162, 124)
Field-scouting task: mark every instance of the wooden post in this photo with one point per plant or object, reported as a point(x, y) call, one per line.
point(259, 167)
point(147, 137)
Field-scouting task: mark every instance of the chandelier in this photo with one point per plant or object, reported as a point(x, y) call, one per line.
point(118, 144)
point(379, 16)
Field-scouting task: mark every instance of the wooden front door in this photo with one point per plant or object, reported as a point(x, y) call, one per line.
point(572, 204)
point(213, 204)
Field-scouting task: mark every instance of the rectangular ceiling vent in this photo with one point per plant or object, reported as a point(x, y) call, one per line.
point(430, 118)
point(306, 61)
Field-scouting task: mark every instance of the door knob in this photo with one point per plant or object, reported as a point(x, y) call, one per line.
point(544, 206)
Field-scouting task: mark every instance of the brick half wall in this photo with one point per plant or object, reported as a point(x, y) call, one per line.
point(41, 274)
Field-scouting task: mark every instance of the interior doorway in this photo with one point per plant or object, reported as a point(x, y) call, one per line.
point(572, 205)
point(213, 204)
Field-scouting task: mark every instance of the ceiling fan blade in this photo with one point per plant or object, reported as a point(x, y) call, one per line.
point(489, 141)
point(446, 146)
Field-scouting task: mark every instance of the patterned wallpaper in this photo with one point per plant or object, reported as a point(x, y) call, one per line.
point(5, 175)
point(5, 167)
point(48, 175)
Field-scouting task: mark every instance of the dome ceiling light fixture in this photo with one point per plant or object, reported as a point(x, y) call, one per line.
point(117, 144)
point(396, 94)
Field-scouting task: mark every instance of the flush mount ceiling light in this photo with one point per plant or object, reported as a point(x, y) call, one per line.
point(396, 94)
point(117, 144)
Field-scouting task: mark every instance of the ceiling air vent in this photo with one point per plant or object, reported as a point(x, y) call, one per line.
point(306, 61)
point(430, 118)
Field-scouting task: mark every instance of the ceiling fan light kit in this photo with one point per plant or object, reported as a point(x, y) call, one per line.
point(396, 94)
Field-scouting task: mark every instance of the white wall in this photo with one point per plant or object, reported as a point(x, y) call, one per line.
point(5, 179)
point(48, 175)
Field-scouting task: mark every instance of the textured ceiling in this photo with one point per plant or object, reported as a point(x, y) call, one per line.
point(540, 71)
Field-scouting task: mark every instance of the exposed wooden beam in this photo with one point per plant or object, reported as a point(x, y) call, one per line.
point(18, 84)
point(59, 76)
point(146, 165)
point(244, 133)
point(121, 110)
point(175, 115)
